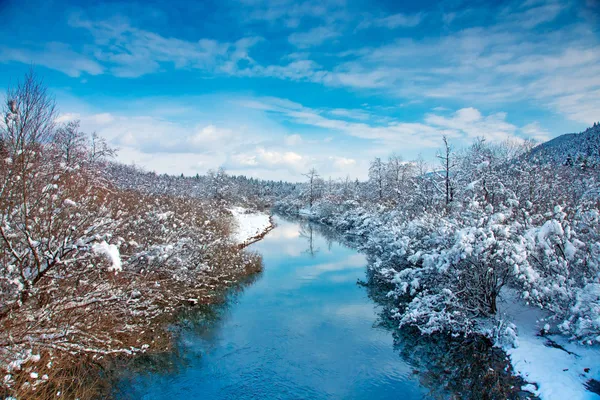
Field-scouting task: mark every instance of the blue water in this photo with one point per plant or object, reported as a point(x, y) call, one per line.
point(303, 330)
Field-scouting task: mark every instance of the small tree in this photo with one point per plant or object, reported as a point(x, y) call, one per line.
point(313, 180)
point(446, 157)
point(218, 183)
point(377, 177)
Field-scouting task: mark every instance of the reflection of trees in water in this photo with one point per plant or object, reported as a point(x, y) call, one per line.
point(309, 231)
point(203, 320)
point(451, 368)
point(306, 232)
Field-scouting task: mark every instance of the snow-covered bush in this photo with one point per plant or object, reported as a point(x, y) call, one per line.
point(560, 271)
point(446, 243)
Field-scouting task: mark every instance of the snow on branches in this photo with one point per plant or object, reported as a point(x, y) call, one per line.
point(89, 269)
point(447, 243)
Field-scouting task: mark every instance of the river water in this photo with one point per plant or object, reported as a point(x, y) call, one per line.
point(303, 330)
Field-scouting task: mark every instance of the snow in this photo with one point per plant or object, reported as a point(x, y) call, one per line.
point(111, 252)
point(69, 203)
point(164, 216)
point(249, 224)
point(559, 373)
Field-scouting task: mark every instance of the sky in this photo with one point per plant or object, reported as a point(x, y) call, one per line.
point(272, 88)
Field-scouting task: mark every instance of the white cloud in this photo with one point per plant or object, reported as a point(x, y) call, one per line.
point(393, 21)
point(361, 115)
point(536, 132)
point(291, 13)
point(540, 13)
point(461, 127)
point(464, 124)
point(342, 163)
point(54, 55)
point(103, 118)
point(269, 159)
point(470, 122)
point(299, 70)
point(210, 135)
point(169, 146)
point(66, 117)
point(313, 37)
point(129, 52)
point(293, 140)
point(187, 163)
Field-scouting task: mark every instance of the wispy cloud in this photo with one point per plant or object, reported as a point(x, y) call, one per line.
point(313, 37)
point(495, 55)
point(535, 132)
point(271, 159)
point(462, 125)
point(53, 55)
point(451, 69)
point(292, 13)
point(393, 21)
point(535, 13)
point(131, 52)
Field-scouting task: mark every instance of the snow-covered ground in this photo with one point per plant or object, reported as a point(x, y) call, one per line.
point(249, 224)
point(558, 367)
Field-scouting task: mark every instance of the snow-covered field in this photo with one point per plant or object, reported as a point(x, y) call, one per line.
point(560, 368)
point(249, 224)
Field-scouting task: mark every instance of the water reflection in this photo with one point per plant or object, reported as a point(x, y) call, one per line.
point(202, 322)
point(450, 368)
point(304, 330)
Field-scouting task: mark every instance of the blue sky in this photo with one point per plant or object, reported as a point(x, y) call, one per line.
point(271, 88)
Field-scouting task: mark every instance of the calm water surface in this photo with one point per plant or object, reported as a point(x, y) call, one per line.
point(303, 330)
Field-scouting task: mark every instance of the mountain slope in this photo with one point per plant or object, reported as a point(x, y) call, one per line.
point(576, 149)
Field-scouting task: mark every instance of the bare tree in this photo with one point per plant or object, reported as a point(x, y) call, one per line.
point(313, 180)
point(377, 176)
point(398, 174)
point(29, 114)
point(446, 157)
point(99, 150)
point(70, 142)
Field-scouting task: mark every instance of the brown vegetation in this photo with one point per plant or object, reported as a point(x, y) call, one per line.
point(88, 271)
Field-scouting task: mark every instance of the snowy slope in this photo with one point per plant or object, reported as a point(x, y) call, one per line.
point(249, 224)
point(571, 148)
point(559, 368)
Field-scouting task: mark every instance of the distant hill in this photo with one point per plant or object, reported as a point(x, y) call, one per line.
point(575, 149)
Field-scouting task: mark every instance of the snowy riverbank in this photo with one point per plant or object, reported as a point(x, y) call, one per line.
point(250, 226)
point(540, 353)
point(561, 369)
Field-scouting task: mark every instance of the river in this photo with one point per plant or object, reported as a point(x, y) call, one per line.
point(304, 329)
